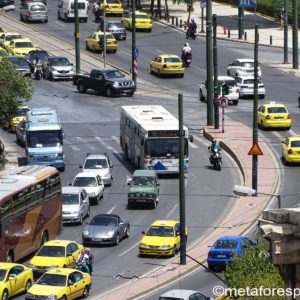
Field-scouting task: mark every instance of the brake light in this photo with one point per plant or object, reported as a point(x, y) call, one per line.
point(289, 116)
point(290, 151)
point(164, 66)
point(209, 254)
point(261, 85)
point(268, 117)
point(29, 13)
point(60, 155)
point(244, 86)
point(30, 156)
point(183, 65)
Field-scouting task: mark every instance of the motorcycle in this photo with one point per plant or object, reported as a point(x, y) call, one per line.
point(38, 72)
point(190, 33)
point(215, 159)
point(187, 59)
point(83, 267)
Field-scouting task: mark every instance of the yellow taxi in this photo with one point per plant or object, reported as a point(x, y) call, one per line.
point(112, 7)
point(14, 279)
point(291, 149)
point(161, 239)
point(20, 115)
point(274, 115)
point(20, 47)
point(167, 64)
point(55, 254)
point(61, 283)
point(142, 21)
point(92, 43)
point(3, 53)
point(6, 37)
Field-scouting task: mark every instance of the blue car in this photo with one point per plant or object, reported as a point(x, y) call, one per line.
point(225, 249)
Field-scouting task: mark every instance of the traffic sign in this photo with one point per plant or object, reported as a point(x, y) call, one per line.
point(255, 150)
point(223, 101)
point(202, 3)
point(247, 3)
point(136, 53)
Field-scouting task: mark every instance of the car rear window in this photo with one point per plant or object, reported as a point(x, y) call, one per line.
point(172, 60)
point(225, 244)
point(37, 7)
point(251, 81)
point(229, 82)
point(295, 144)
point(81, 5)
point(247, 64)
point(276, 110)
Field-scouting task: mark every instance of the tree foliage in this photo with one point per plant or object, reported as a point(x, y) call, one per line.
point(13, 87)
point(254, 270)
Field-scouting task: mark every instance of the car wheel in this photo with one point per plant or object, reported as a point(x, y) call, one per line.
point(151, 71)
point(236, 102)
point(86, 292)
point(131, 93)
point(21, 18)
point(66, 19)
point(58, 16)
point(181, 75)
point(109, 91)
point(86, 46)
point(81, 88)
point(228, 73)
point(174, 251)
point(93, 49)
point(127, 235)
point(26, 19)
point(158, 73)
point(46, 21)
point(117, 239)
point(201, 97)
point(28, 285)
point(299, 102)
point(5, 295)
point(64, 297)
point(98, 199)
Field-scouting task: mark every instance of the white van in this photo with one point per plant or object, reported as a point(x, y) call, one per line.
point(66, 10)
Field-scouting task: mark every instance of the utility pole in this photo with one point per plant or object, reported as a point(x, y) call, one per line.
point(202, 19)
point(295, 35)
point(104, 38)
point(241, 21)
point(77, 37)
point(285, 34)
point(209, 63)
point(133, 45)
point(181, 183)
point(216, 83)
point(255, 108)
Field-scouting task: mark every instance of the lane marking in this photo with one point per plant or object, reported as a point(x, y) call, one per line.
point(111, 210)
point(171, 211)
point(193, 145)
point(115, 138)
point(126, 53)
point(74, 148)
point(129, 249)
point(106, 145)
point(159, 51)
point(60, 24)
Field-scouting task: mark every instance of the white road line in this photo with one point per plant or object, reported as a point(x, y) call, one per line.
point(126, 53)
point(93, 148)
point(60, 24)
point(74, 148)
point(129, 249)
point(171, 211)
point(106, 145)
point(159, 51)
point(292, 132)
point(111, 210)
point(193, 145)
point(115, 138)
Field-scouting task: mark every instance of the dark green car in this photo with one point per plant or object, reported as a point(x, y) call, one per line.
point(143, 189)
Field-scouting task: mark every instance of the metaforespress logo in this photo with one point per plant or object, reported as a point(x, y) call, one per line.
point(255, 292)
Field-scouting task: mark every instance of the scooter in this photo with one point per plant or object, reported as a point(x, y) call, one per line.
point(215, 159)
point(187, 59)
point(38, 72)
point(190, 33)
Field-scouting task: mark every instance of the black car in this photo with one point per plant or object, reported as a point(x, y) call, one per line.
point(20, 64)
point(4, 3)
point(32, 55)
point(116, 28)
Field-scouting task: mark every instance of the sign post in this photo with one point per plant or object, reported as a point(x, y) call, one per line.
point(202, 6)
point(223, 102)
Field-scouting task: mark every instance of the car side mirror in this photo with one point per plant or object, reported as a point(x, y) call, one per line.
point(143, 232)
point(111, 166)
point(70, 184)
point(80, 167)
point(12, 276)
point(129, 181)
point(121, 223)
point(158, 184)
point(282, 142)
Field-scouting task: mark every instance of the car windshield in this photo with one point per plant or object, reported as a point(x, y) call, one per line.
point(37, 7)
point(160, 231)
point(2, 274)
point(23, 45)
point(51, 251)
point(172, 60)
point(137, 16)
point(59, 61)
point(251, 81)
point(277, 110)
point(11, 37)
point(52, 279)
point(143, 180)
point(95, 164)
point(104, 221)
point(70, 199)
point(39, 139)
point(225, 244)
point(113, 74)
point(115, 24)
point(21, 112)
point(85, 181)
point(164, 147)
point(295, 144)
point(247, 64)
point(42, 55)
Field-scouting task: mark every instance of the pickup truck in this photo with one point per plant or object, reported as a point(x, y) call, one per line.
point(109, 82)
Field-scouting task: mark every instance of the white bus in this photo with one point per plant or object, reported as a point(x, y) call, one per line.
point(149, 136)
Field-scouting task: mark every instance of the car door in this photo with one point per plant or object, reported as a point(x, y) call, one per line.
point(15, 281)
point(177, 234)
point(260, 114)
point(10, 48)
point(285, 145)
point(75, 251)
point(122, 228)
point(73, 291)
point(100, 185)
point(79, 283)
point(85, 202)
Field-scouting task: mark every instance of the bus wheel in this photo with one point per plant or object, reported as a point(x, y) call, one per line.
point(44, 238)
point(4, 295)
point(10, 256)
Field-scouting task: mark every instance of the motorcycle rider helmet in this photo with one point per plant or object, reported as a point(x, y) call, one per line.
point(214, 141)
point(192, 20)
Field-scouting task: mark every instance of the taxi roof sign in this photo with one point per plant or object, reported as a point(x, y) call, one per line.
point(255, 150)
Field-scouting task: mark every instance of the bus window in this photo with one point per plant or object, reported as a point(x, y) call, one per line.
point(6, 217)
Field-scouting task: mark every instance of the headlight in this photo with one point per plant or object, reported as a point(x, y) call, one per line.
point(165, 246)
point(131, 195)
point(110, 233)
point(51, 297)
point(92, 194)
point(115, 84)
point(150, 196)
point(85, 232)
point(144, 245)
point(53, 69)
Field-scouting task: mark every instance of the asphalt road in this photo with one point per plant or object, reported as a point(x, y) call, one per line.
point(204, 204)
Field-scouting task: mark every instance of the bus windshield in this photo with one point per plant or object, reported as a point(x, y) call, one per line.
point(164, 147)
point(39, 139)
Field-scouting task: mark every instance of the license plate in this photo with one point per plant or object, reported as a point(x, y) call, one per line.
point(278, 118)
point(221, 256)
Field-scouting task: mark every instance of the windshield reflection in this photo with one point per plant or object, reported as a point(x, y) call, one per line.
point(39, 139)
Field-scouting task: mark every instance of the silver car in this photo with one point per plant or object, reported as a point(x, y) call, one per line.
point(76, 205)
point(33, 11)
point(58, 67)
point(105, 229)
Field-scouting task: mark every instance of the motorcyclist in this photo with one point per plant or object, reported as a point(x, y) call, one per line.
point(82, 261)
point(35, 63)
point(186, 51)
point(192, 27)
point(214, 145)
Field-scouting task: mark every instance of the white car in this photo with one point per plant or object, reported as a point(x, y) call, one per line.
point(241, 67)
point(76, 205)
point(233, 95)
point(100, 164)
point(92, 183)
point(246, 86)
point(181, 294)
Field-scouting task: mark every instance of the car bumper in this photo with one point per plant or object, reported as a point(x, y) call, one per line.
point(156, 252)
point(172, 71)
point(233, 97)
point(119, 35)
point(61, 75)
point(218, 263)
point(250, 92)
point(106, 180)
point(292, 158)
point(70, 219)
point(141, 201)
point(122, 91)
point(37, 18)
point(143, 26)
point(54, 163)
point(99, 241)
point(111, 47)
point(278, 123)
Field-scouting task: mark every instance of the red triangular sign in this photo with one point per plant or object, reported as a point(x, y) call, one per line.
point(255, 150)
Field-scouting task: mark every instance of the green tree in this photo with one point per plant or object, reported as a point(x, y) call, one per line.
point(254, 270)
point(13, 87)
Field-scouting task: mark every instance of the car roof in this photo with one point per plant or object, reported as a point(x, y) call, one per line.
point(9, 265)
point(96, 156)
point(294, 138)
point(179, 293)
point(144, 173)
point(168, 55)
point(107, 215)
point(71, 189)
point(10, 33)
point(274, 104)
point(87, 174)
point(55, 57)
point(245, 59)
point(35, 3)
point(164, 223)
point(61, 271)
point(23, 40)
point(225, 77)
point(232, 237)
point(58, 243)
